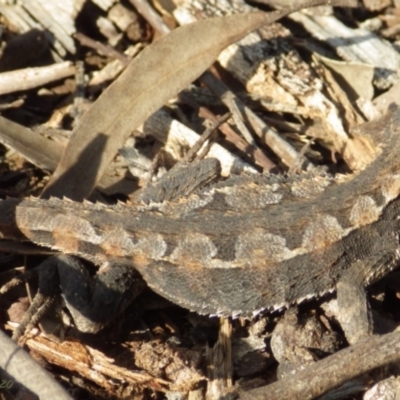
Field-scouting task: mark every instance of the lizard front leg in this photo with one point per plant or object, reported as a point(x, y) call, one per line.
point(354, 314)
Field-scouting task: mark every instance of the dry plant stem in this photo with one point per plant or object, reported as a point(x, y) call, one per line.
point(230, 135)
point(375, 352)
point(151, 16)
point(29, 78)
point(234, 105)
point(286, 152)
point(79, 95)
point(204, 137)
point(220, 365)
point(17, 363)
point(101, 48)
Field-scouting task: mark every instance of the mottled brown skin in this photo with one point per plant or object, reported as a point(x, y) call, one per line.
point(240, 246)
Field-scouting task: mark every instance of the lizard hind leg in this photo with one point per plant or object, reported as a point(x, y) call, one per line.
point(95, 301)
point(92, 302)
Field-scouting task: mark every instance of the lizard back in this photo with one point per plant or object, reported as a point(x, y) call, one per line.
point(242, 245)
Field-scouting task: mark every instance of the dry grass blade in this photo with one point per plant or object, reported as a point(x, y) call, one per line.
point(158, 73)
point(46, 153)
point(35, 148)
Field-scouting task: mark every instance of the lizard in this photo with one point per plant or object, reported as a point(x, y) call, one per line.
point(238, 246)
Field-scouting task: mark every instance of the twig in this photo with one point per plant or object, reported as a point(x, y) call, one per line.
point(29, 78)
point(286, 152)
point(203, 138)
point(333, 371)
point(144, 8)
point(230, 135)
point(219, 362)
point(101, 48)
point(77, 109)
